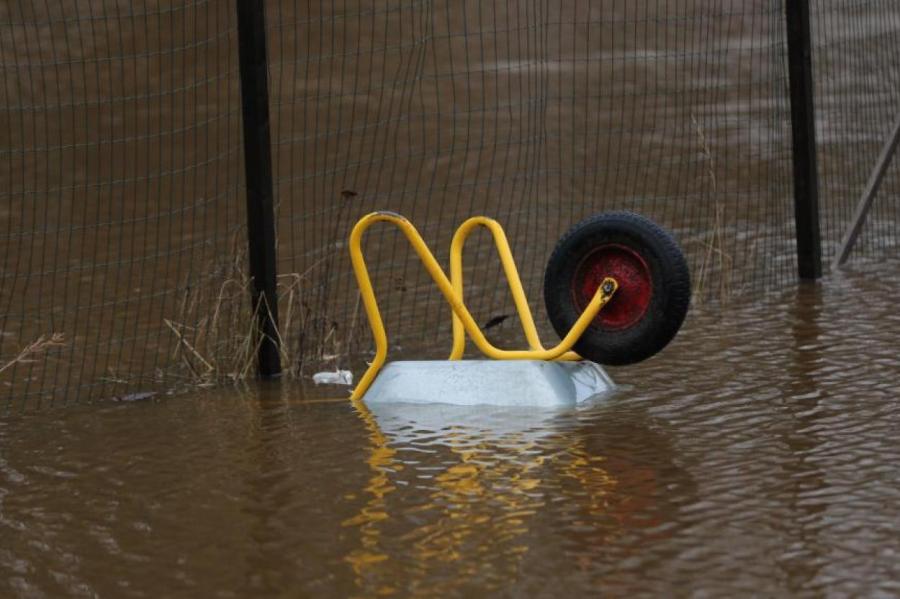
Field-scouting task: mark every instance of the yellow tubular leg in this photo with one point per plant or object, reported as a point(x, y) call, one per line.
point(512, 277)
point(603, 294)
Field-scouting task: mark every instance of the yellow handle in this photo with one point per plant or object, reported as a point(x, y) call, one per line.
point(512, 277)
point(452, 292)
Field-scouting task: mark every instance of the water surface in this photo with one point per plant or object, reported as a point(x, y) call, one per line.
point(758, 455)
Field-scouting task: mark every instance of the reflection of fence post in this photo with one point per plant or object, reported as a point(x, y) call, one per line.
point(803, 126)
point(258, 170)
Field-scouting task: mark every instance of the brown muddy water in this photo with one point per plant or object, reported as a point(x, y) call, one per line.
point(758, 455)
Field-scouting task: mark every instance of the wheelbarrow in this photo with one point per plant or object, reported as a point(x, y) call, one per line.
point(616, 288)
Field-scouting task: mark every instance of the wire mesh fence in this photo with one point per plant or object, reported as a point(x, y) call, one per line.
point(537, 114)
point(120, 187)
point(857, 64)
point(122, 219)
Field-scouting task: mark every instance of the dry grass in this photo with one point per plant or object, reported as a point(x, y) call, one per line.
point(32, 350)
point(216, 336)
point(717, 264)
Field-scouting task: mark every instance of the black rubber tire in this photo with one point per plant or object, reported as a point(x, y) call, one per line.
point(669, 296)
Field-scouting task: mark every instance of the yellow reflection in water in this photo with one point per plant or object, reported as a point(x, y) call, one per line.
point(381, 461)
point(479, 508)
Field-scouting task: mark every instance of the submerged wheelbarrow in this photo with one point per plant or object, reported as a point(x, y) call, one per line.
point(616, 289)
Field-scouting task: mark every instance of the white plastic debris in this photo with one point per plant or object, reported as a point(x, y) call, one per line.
point(338, 377)
point(489, 382)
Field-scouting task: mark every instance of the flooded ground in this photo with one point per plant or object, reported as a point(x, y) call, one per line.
point(758, 455)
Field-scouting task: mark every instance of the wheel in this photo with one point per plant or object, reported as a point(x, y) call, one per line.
point(654, 287)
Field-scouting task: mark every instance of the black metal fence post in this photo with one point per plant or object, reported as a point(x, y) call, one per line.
point(258, 167)
point(803, 126)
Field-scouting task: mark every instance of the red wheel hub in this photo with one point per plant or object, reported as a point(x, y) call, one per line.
point(630, 270)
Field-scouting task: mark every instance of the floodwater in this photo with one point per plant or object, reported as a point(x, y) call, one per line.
point(758, 455)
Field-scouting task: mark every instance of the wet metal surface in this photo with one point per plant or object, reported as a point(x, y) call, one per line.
point(759, 455)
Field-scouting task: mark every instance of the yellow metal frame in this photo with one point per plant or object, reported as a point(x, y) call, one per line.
point(452, 290)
